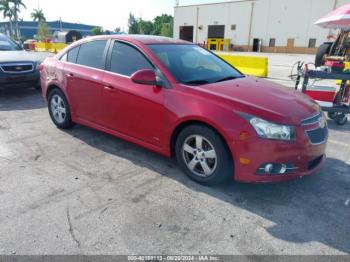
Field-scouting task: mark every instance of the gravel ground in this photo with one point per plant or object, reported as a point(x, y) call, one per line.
point(85, 192)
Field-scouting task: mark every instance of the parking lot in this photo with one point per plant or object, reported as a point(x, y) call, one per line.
point(85, 192)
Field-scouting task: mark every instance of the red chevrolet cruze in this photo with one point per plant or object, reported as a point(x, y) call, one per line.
point(178, 99)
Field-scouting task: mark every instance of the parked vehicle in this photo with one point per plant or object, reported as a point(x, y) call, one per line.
point(18, 68)
point(178, 99)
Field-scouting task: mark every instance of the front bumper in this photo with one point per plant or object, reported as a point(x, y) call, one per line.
point(20, 80)
point(308, 158)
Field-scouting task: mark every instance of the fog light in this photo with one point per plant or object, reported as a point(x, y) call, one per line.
point(268, 168)
point(275, 169)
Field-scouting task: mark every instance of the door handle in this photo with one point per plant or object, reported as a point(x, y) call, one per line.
point(69, 75)
point(109, 88)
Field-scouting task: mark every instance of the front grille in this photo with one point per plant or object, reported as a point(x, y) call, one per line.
point(318, 136)
point(314, 163)
point(17, 68)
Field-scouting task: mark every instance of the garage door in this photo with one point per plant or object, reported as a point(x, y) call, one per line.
point(186, 33)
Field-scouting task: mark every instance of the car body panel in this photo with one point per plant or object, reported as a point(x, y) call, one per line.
point(149, 115)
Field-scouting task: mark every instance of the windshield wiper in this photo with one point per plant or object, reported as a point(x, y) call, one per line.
point(227, 78)
point(197, 82)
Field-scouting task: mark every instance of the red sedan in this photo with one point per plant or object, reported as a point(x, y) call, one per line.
point(178, 99)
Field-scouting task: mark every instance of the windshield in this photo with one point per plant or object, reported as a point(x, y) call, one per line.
point(7, 44)
point(193, 65)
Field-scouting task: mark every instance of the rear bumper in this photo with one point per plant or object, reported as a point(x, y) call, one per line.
point(20, 80)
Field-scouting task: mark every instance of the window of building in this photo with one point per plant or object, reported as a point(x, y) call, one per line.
point(91, 54)
point(272, 42)
point(126, 60)
point(72, 55)
point(312, 42)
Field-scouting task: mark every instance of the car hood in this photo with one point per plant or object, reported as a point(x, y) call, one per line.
point(22, 56)
point(265, 99)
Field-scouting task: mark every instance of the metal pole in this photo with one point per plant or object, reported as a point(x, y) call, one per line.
point(197, 25)
point(334, 7)
point(250, 25)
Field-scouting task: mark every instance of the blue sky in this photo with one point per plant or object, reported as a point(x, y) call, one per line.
point(107, 13)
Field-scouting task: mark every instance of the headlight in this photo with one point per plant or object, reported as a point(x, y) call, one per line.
point(269, 130)
point(38, 63)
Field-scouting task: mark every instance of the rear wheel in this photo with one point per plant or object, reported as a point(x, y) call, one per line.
point(203, 155)
point(322, 53)
point(59, 109)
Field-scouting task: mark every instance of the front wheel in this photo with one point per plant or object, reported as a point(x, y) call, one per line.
point(332, 115)
point(203, 155)
point(59, 109)
point(341, 119)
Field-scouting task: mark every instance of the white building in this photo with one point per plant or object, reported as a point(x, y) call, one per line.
point(280, 25)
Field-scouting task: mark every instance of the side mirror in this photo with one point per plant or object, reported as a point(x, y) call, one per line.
point(146, 77)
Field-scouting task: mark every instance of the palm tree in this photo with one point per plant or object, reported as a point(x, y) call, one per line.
point(38, 15)
point(16, 9)
point(6, 10)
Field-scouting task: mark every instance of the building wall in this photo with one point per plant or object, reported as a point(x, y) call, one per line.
point(263, 19)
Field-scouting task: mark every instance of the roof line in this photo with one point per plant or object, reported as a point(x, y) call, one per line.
point(217, 3)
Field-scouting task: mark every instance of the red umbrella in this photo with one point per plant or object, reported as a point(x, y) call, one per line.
point(338, 18)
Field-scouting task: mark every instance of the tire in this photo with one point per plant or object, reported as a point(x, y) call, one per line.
point(341, 119)
point(322, 51)
point(59, 109)
point(332, 115)
point(203, 155)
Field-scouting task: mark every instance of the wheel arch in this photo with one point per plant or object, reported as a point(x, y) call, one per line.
point(50, 88)
point(188, 122)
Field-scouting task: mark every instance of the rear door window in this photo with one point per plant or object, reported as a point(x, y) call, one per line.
point(126, 60)
point(91, 54)
point(73, 54)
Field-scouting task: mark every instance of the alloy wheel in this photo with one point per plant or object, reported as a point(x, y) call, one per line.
point(199, 155)
point(58, 109)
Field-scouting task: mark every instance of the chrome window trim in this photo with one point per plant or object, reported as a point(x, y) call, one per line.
point(317, 117)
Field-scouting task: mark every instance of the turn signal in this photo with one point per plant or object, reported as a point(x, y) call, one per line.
point(244, 161)
point(244, 135)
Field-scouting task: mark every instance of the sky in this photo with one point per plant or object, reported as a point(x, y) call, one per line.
point(109, 14)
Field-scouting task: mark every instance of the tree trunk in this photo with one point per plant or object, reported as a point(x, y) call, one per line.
point(11, 27)
point(16, 27)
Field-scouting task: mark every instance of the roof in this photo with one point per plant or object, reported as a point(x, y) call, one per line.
point(151, 39)
point(216, 3)
point(143, 39)
point(30, 28)
point(53, 25)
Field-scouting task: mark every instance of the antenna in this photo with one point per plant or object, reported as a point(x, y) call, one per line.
point(177, 2)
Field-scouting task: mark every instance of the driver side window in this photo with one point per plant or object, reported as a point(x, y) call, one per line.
point(126, 60)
